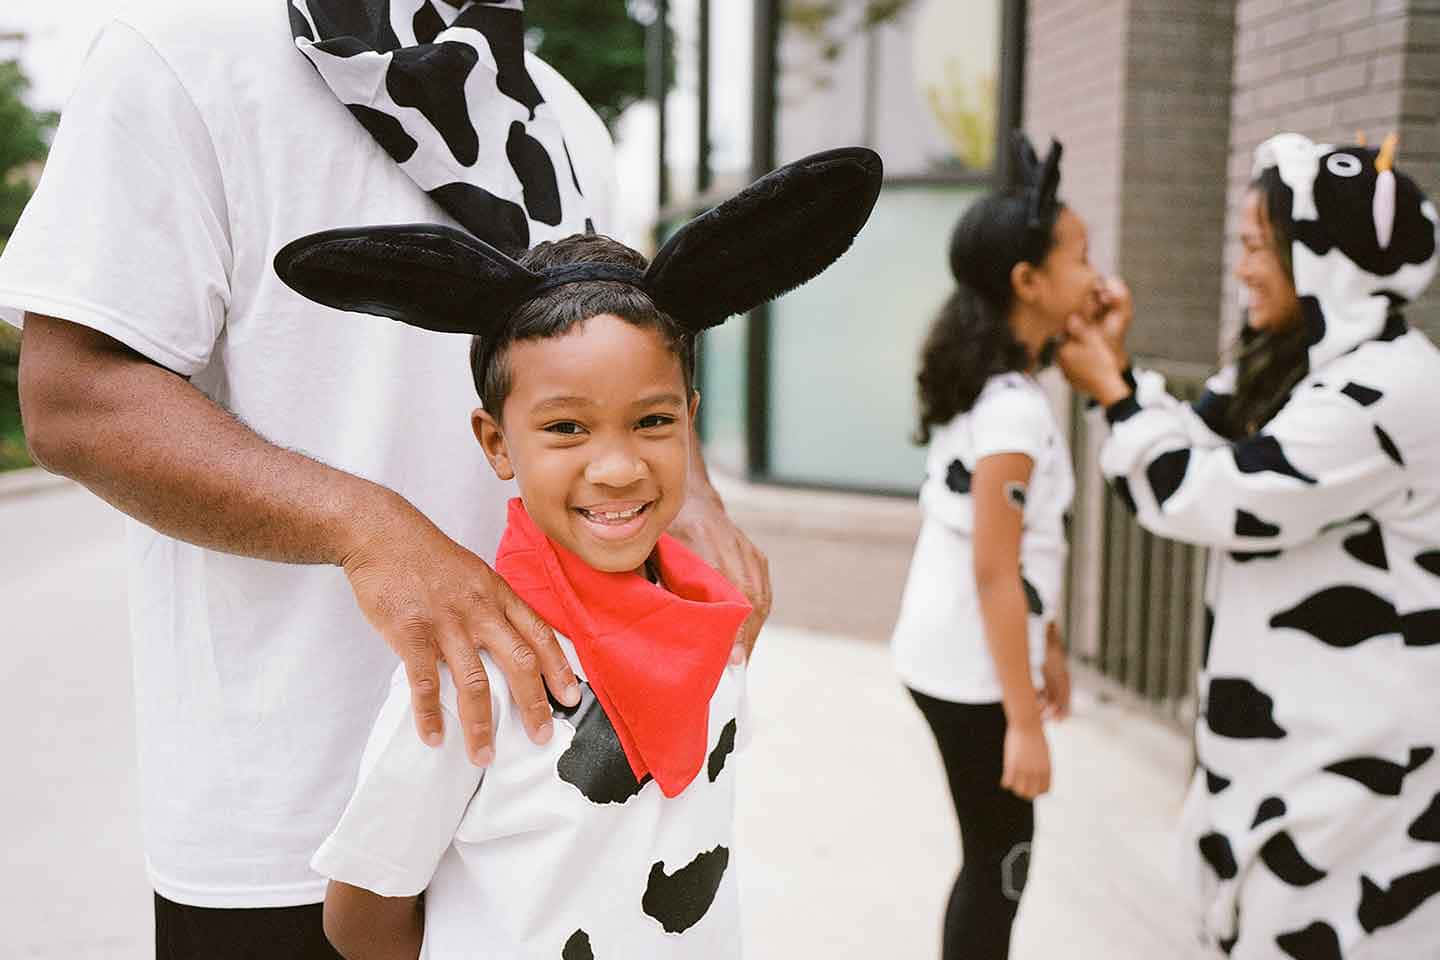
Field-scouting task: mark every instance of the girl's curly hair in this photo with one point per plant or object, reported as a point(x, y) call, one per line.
point(970, 339)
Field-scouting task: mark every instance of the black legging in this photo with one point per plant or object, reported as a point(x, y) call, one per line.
point(996, 827)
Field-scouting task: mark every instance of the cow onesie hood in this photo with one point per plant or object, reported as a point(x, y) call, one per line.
point(1312, 828)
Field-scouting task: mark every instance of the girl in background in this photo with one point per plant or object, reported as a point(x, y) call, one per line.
point(976, 641)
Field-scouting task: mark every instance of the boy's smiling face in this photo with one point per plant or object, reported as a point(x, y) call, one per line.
point(596, 432)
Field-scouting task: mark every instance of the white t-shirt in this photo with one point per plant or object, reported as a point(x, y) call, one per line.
point(551, 845)
point(199, 142)
point(939, 640)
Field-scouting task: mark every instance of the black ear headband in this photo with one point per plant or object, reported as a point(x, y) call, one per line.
point(1038, 183)
point(773, 236)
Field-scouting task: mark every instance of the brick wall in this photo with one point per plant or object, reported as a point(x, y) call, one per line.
point(1176, 137)
point(1327, 69)
point(1074, 90)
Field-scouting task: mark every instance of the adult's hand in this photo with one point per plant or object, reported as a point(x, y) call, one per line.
point(1089, 363)
point(432, 599)
point(705, 527)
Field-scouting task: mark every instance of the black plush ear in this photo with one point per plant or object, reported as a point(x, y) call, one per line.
point(776, 234)
point(424, 274)
point(1027, 163)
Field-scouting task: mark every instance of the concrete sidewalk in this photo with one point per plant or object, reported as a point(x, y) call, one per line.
point(846, 840)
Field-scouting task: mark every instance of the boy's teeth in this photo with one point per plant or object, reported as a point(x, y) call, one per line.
point(612, 515)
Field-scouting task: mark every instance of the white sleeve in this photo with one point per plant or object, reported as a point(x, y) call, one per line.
point(128, 231)
point(1010, 420)
point(1322, 459)
point(408, 801)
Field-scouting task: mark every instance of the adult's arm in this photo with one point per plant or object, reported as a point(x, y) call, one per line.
point(148, 442)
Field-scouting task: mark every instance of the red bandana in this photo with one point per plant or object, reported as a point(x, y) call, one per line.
point(653, 655)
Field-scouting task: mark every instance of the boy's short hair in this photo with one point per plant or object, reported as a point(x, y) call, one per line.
point(556, 312)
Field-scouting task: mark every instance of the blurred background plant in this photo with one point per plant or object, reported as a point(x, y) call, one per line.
point(599, 46)
point(24, 140)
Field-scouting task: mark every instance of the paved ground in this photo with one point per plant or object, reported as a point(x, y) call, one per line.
point(845, 831)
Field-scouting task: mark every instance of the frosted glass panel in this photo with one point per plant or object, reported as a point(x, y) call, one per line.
point(843, 348)
point(722, 394)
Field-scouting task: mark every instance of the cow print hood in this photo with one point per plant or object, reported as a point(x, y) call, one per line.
point(445, 91)
point(1364, 239)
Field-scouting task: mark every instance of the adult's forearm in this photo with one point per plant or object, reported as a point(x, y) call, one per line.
point(148, 442)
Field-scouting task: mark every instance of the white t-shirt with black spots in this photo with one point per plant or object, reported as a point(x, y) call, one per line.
point(554, 851)
point(939, 640)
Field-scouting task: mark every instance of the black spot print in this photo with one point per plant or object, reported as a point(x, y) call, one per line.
point(724, 746)
point(1015, 493)
point(1245, 556)
point(1396, 326)
point(957, 478)
point(427, 23)
point(1205, 640)
point(1421, 628)
point(1340, 616)
point(346, 18)
point(1236, 708)
point(386, 130)
point(1426, 827)
point(1429, 561)
point(432, 80)
point(1166, 472)
point(1287, 862)
point(1215, 783)
point(1363, 395)
point(577, 947)
point(1388, 445)
point(299, 26)
point(1249, 525)
point(1270, 808)
point(1384, 906)
point(1215, 848)
point(1213, 409)
point(531, 163)
point(1379, 775)
point(1121, 486)
point(1316, 942)
point(574, 178)
point(1314, 319)
point(1368, 546)
point(499, 222)
point(1033, 603)
point(680, 899)
point(1262, 454)
point(1227, 944)
point(595, 762)
point(507, 45)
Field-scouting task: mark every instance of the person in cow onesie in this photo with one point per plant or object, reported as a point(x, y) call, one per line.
point(612, 840)
point(1311, 467)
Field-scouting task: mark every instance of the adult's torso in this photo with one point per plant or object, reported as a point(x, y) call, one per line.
point(255, 681)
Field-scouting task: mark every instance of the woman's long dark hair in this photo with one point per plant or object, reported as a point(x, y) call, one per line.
point(1268, 363)
point(970, 339)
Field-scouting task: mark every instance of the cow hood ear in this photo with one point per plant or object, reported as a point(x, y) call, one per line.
point(778, 233)
point(425, 274)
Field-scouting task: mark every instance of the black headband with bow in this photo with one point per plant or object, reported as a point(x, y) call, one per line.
point(773, 236)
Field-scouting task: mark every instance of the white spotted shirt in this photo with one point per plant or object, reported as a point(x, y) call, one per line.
point(552, 851)
point(939, 639)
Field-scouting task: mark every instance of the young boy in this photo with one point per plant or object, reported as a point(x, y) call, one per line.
point(613, 839)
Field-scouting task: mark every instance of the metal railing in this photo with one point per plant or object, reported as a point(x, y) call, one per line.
point(1135, 602)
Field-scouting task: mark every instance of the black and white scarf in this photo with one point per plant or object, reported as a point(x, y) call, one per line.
point(444, 89)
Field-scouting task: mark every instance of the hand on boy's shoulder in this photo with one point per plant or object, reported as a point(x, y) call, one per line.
point(705, 527)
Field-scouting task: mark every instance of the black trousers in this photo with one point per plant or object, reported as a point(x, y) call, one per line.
point(996, 828)
point(263, 933)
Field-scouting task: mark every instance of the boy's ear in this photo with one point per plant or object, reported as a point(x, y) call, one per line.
point(694, 404)
point(492, 441)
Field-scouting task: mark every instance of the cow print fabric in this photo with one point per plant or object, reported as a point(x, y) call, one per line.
point(1314, 817)
point(446, 92)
